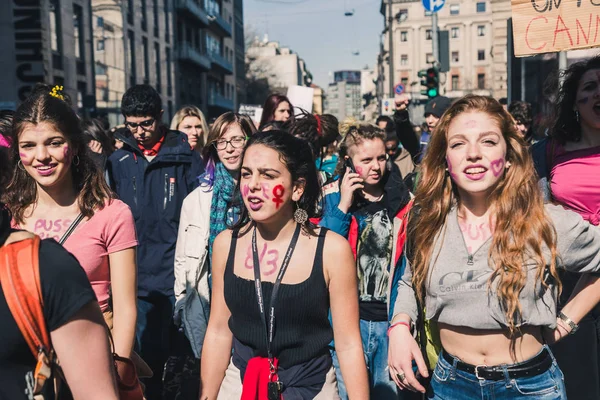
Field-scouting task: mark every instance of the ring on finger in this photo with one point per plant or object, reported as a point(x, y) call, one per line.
point(401, 377)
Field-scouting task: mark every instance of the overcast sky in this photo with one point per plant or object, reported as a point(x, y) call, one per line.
point(318, 31)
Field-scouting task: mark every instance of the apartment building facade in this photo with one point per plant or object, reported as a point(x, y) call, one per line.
point(46, 41)
point(476, 65)
point(344, 97)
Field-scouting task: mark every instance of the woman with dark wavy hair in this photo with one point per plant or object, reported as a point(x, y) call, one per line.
point(57, 188)
point(567, 163)
point(484, 263)
point(277, 108)
point(252, 284)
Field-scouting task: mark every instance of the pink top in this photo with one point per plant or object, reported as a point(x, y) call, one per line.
point(574, 181)
point(4, 141)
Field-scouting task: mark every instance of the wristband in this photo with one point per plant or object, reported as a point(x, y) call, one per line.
point(395, 324)
point(569, 322)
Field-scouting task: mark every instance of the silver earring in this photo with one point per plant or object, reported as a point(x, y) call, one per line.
point(20, 165)
point(300, 215)
point(577, 115)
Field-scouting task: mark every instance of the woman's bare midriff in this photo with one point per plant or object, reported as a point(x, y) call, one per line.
point(490, 347)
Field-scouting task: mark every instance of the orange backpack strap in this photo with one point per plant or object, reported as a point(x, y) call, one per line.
point(20, 279)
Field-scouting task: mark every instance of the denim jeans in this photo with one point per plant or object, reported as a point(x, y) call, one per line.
point(449, 383)
point(153, 336)
point(375, 347)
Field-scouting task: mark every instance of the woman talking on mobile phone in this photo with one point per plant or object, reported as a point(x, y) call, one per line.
point(275, 278)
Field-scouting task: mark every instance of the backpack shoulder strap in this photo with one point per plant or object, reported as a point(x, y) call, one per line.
point(20, 280)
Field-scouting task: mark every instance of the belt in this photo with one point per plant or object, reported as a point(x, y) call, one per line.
point(532, 367)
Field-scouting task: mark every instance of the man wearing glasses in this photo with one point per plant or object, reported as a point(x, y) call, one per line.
point(153, 172)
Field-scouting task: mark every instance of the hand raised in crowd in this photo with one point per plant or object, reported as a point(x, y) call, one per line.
point(401, 102)
point(350, 183)
point(403, 349)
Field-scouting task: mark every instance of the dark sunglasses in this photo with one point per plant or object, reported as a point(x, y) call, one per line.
point(144, 124)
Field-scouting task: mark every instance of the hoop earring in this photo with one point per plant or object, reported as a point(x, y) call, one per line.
point(300, 215)
point(20, 165)
point(76, 160)
point(577, 115)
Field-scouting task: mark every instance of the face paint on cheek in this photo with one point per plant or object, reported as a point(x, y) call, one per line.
point(453, 175)
point(245, 190)
point(359, 170)
point(278, 192)
point(23, 160)
point(265, 187)
point(67, 154)
point(498, 166)
point(583, 100)
point(471, 124)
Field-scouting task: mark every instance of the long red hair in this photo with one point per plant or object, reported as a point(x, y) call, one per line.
point(522, 227)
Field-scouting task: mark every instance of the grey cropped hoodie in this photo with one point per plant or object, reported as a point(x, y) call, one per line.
point(457, 291)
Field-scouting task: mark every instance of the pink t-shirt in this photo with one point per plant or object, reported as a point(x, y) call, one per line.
point(574, 181)
point(110, 230)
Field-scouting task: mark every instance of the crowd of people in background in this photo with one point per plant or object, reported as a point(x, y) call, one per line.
point(306, 257)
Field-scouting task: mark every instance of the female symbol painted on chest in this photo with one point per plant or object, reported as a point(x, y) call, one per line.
point(278, 192)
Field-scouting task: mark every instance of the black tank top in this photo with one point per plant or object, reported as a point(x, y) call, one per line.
point(302, 328)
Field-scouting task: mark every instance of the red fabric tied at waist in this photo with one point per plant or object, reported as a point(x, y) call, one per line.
point(256, 379)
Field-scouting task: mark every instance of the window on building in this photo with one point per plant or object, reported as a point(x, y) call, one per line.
point(429, 58)
point(132, 71)
point(100, 22)
point(100, 69)
point(455, 32)
point(146, 60)
point(144, 19)
point(55, 28)
point(404, 36)
point(168, 63)
point(213, 7)
point(155, 16)
point(213, 45)
point(481, 30)
point(402, 15)
point(455, 57)
point(454, 9)
point(78, 31)
point(103, 93)
point(100, 45)
point(157, 67)
point(404, 82)
point(167, 23)
point(404, 59)
point(428, 34)
point(480, 6)
point(130, 11)
point(480, 81)
point(480, 55)
point(454, 82)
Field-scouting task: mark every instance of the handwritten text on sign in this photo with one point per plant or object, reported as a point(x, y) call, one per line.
point(545, 26)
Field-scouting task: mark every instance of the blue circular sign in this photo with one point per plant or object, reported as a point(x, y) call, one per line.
point(433, 5)
point(399, 88)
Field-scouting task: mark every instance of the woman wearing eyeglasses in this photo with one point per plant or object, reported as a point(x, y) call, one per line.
point(204, 214)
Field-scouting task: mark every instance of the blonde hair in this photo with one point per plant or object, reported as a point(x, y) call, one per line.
point(191, 111)
point(353, 132)
point(522, 226)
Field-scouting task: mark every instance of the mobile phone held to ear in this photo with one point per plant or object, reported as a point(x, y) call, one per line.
point(349, 164)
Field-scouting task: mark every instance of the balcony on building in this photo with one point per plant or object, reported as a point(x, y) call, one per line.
point(220, 102)
point(221, 63)
point(193, 8)
point(220, 25)
point(185, 52)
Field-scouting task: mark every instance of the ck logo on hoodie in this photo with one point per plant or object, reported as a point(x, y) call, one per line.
point(462, 281)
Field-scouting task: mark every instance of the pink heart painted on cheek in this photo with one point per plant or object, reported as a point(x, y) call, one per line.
point(498, 166)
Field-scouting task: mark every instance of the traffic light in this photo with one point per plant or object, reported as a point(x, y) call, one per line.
point(431, 82)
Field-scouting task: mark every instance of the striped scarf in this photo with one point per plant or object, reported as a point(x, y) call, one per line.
point(223, 188)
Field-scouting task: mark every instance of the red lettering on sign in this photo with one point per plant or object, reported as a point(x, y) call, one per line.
point(580, 28)
point(527, 33)
point(559, 20)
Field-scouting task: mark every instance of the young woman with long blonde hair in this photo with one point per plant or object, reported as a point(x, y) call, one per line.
point(484, 263)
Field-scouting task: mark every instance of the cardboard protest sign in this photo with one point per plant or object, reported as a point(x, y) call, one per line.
point(253, 111)
point(546, 26)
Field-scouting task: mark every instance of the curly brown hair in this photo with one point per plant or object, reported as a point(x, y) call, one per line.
point(90, 184)
point(522, 225)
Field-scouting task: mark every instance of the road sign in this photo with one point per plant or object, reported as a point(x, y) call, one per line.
point(433, 5)
point(387, 107)
point(399, 88)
